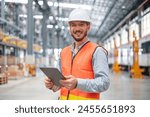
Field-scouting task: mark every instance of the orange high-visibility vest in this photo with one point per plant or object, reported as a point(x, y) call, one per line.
point(79, 66)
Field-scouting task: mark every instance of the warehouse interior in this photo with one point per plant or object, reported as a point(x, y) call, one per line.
point(33, 33)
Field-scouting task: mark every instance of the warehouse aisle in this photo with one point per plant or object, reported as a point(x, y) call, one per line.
point(122, 88)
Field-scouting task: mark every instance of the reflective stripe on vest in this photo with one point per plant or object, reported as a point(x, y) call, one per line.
point(81, 67)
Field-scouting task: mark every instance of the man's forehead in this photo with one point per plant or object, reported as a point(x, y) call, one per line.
point(74, 22)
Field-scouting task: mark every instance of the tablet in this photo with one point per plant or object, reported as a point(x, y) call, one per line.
point(54, 74)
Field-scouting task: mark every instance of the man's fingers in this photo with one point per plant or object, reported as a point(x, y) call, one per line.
point(48, 83)
point(63, 82)
point(47, 79)
point(67, 77)
point(69, 83)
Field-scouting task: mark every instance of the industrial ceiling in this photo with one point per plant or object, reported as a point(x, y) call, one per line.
point(105, 14)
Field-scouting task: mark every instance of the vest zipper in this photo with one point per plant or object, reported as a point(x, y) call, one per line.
point(72, 64)
point(71, 73)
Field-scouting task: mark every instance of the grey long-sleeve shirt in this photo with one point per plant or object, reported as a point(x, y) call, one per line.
point(101, 79)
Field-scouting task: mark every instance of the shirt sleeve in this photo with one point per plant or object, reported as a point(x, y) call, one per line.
point(101, 79)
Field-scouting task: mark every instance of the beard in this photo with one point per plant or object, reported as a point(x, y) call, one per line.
point(80, 38)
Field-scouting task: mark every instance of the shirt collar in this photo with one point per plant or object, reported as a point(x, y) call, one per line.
point(73, 45)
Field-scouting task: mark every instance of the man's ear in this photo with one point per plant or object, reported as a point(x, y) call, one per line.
point(89, 26)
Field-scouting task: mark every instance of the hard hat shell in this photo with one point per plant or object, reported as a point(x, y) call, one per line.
point(79, 15)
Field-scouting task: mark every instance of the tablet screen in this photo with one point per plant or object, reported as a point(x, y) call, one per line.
point(54, 74)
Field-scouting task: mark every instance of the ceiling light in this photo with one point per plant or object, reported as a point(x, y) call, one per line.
point(56, 26)
point(123, 7)
point(23, 15)
point(70, 5)
point(38, 16)
point(17, 1)
point(50, 17)
point(49, 26)
point(50, 3)
point(41, 17)
point(56, 4)
point(63, 27)
point(40, 2)
point(35, 16)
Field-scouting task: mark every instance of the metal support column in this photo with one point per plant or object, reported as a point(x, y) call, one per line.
point(16, 18)
point(30, 59)
point(128, 50)
point(127, 29)
point(3, 9)
point(139, 22)
point(44, 32)
point(16, 14)
point(30, 28)
point(121, 52)
point(5, 58)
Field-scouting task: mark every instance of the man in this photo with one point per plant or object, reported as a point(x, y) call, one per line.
point(84, 63)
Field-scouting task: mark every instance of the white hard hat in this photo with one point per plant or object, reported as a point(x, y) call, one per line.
point(79, 15)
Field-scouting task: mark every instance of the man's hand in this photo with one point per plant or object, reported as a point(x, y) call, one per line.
point(70, 82)
point(48, 83)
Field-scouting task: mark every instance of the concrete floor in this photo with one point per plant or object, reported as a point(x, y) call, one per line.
point(122, 88)
point(29, 88)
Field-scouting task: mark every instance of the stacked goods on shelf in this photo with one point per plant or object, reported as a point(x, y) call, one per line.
point(2, 59)
point(11, 60)
point(14, 72)
point(3, 76)
point(21, 43)
point(37, 48)
point(32, 69)
point(1, 35)
point(16, 41)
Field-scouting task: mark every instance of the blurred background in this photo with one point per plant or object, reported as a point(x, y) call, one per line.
point(33, 32)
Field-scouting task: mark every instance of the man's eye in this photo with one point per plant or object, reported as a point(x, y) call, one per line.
point(73, 25)
point(81, 24)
